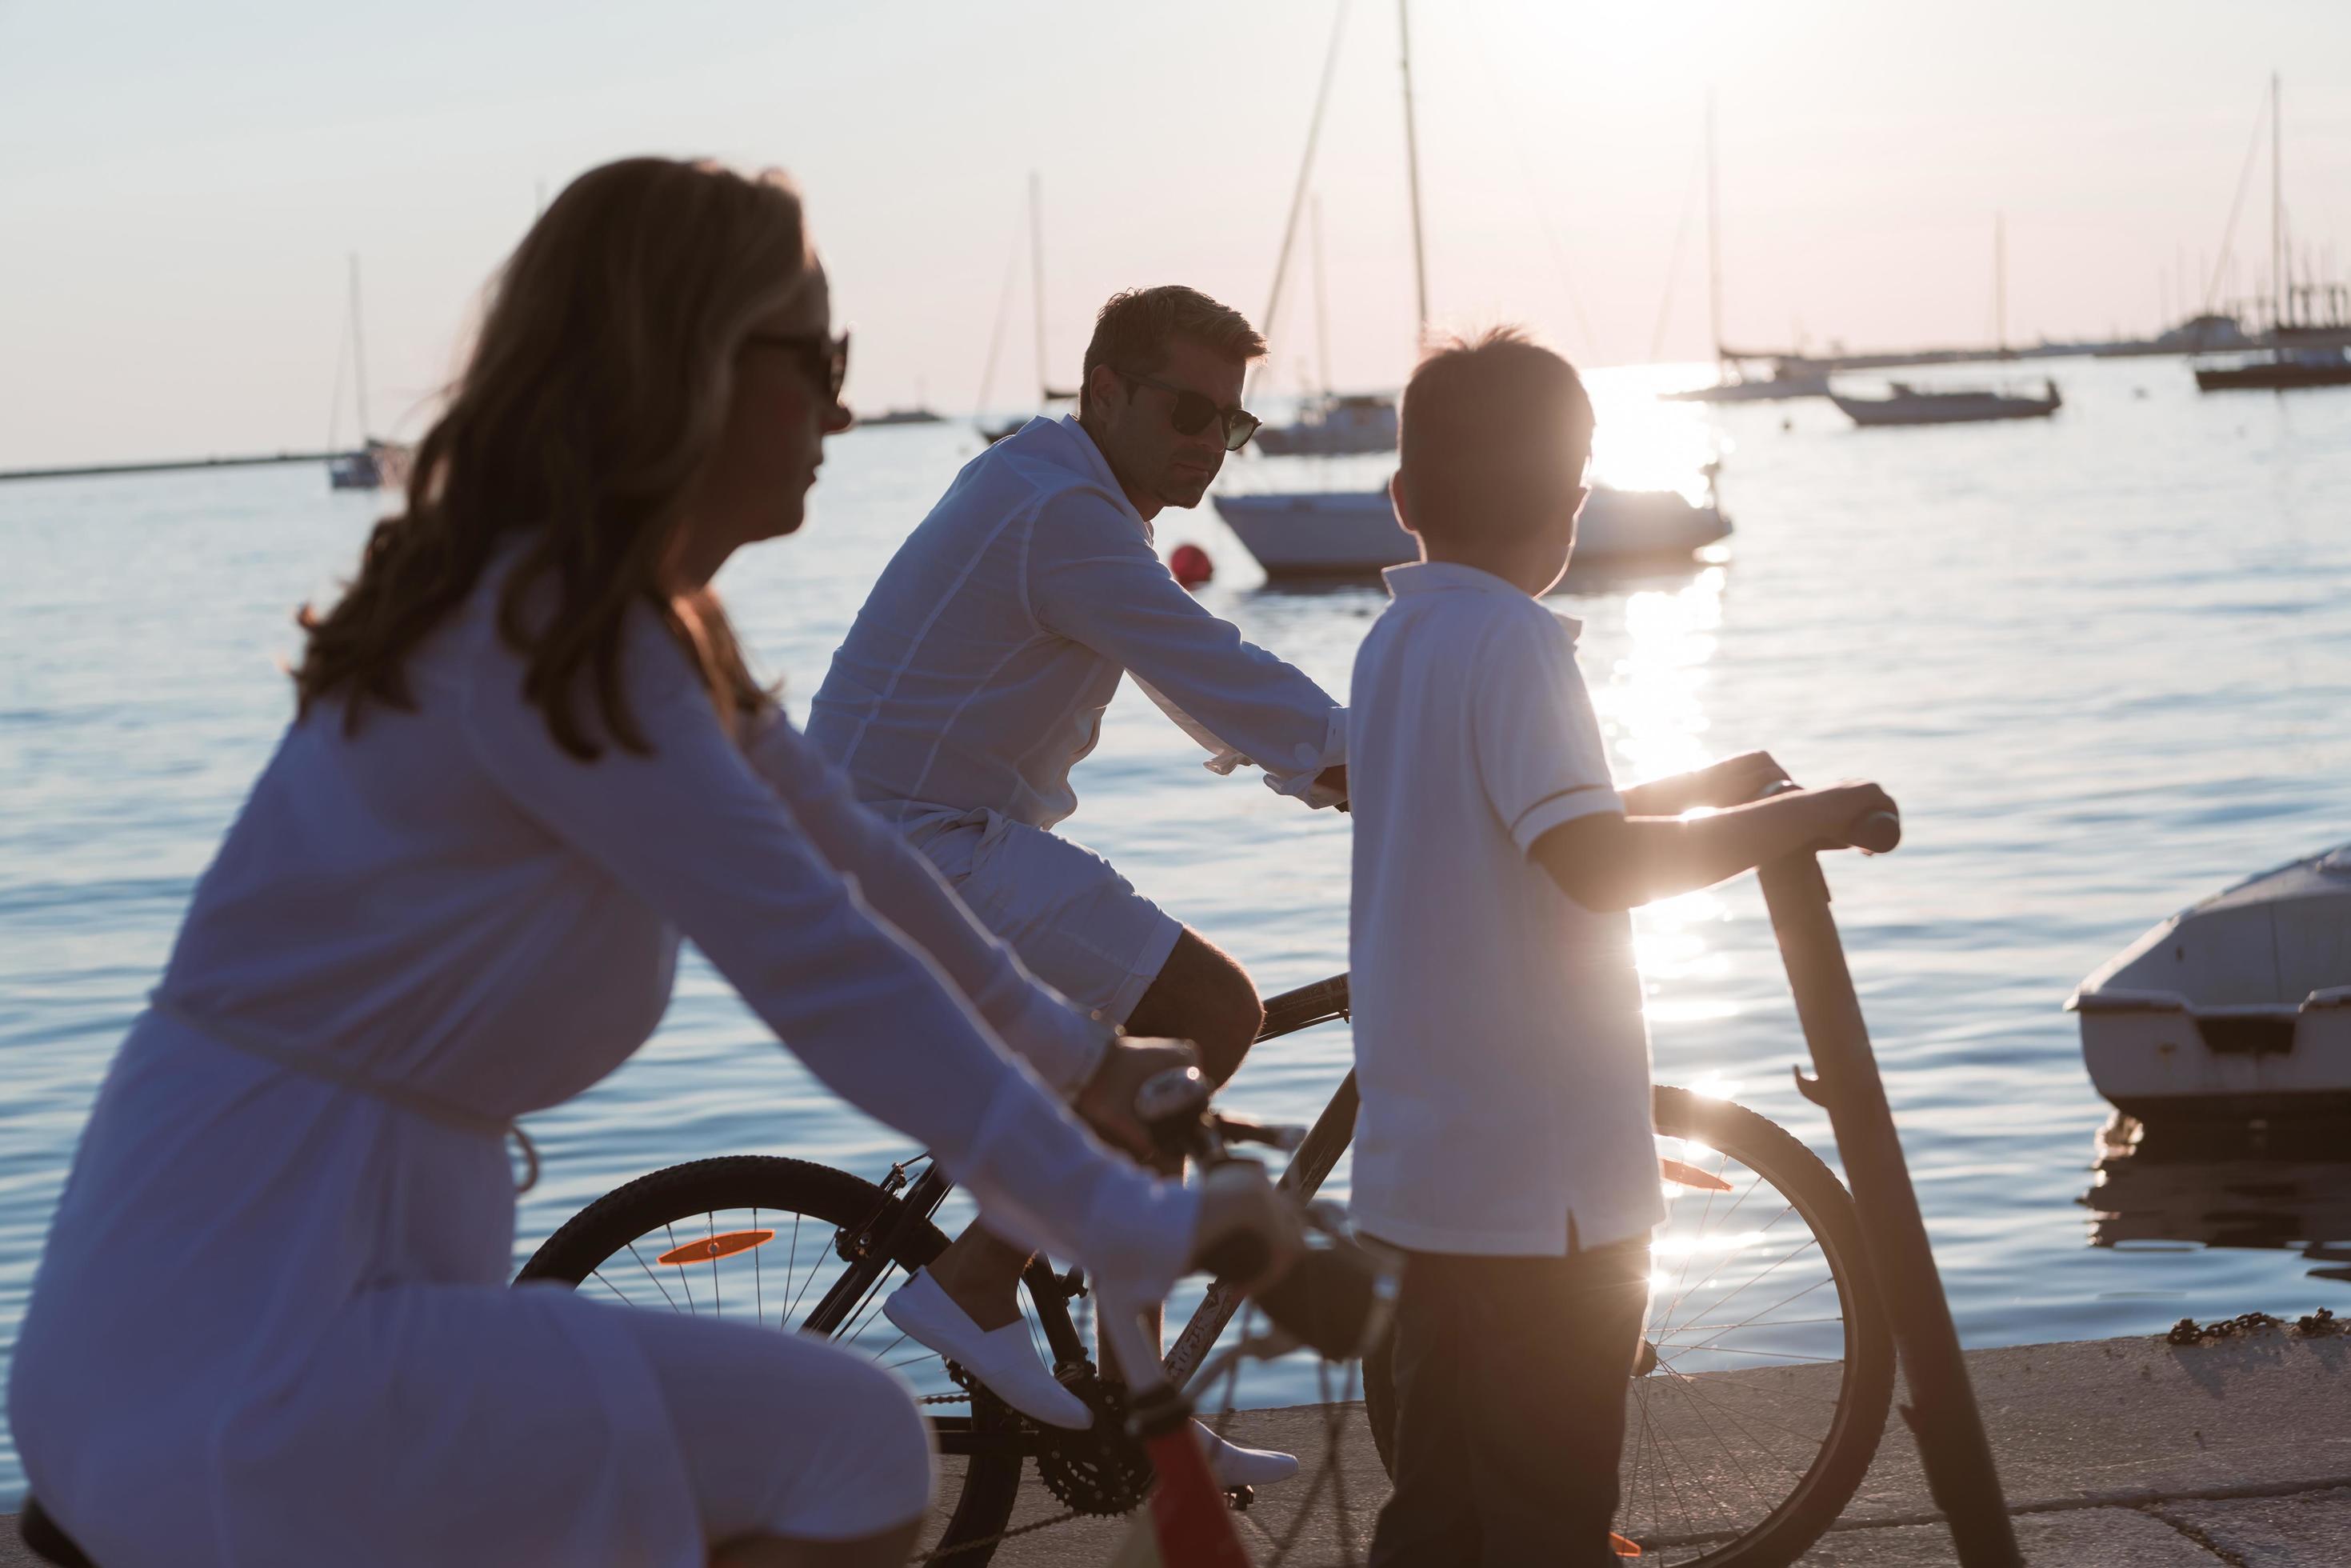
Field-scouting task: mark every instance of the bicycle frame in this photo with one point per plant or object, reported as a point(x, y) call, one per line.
point(868, 1247)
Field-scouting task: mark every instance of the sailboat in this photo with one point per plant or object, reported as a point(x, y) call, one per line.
point(1790, 377)
point(377, 465)
point(1046, 394)
point(1907, 405)
point(1332, 424)
point(2305, 351)
point(1355, 533)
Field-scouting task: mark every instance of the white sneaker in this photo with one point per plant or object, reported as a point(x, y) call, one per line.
point(1234, 1466)
point(1003, 1359)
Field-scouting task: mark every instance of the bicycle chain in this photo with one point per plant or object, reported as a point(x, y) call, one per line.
point(992, 1542)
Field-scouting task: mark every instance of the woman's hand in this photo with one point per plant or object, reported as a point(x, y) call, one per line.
point(1107, 1102)
point(1249, 1231)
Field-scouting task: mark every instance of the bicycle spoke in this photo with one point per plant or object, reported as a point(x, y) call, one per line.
point(1737, 1459)
point(651, 1275)
point(1758, 1318)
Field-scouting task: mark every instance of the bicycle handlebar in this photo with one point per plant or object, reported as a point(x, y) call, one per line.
point(1334, 1298)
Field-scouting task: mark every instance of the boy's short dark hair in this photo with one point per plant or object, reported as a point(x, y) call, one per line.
point(1134, 330)
point(1496, 429)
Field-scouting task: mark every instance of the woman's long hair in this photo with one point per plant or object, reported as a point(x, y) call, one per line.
point(597, 387)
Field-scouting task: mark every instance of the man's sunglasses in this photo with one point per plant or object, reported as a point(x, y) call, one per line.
point(825, 359)
point(1194, 410)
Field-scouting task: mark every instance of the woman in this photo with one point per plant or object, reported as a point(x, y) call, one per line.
point(269, 1326)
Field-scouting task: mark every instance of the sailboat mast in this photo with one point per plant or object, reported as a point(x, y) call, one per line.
point(359, 350)
point(2000, 281)
point(1713, 237)
point(1322, 304)
point(1412, 174)
point(2277, 210)
point(1037, 279)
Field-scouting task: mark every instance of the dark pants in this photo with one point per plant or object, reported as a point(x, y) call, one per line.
point(1510, 1377)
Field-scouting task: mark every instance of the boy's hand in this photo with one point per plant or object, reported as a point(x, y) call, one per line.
point(1735, 780)
point(1843, 808)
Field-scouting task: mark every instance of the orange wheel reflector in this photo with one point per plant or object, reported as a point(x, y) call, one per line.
point(1682, 1174)
point(710, 1246)
point(1624, 1547)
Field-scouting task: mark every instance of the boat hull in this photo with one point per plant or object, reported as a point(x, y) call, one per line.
point(1771, 390)
point(2272, 378)
point(1342, 534)
point(1943, 409)
point(2238, 1007)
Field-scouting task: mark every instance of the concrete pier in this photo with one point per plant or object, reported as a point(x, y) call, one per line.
point(2131, 1453)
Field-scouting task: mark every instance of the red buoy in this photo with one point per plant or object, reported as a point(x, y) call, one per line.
point(1191, 565)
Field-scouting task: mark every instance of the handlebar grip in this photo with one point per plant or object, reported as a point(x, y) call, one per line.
point(1238, 1256)
point(1878, 833)
point(1334, 1298)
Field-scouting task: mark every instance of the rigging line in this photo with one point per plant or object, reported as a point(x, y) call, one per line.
point(1305, 175)
point(1003, 313)
point(335, 401)
point(1503, 105)
point(2229, 235)
point(1674, 263)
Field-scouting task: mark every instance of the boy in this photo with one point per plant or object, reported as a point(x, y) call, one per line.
point(1504, 1141)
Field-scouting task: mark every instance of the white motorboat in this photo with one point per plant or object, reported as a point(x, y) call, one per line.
point(1353, 533)
point(2238, 1009)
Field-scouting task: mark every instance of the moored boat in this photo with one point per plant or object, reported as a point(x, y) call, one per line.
point(1335, 426)
point(2237, 1009)
point(1911, 405)
point(1789, 378)
point(2288, 370)
point(1353, 533)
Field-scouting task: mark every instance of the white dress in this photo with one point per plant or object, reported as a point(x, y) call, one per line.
point(270, 1323)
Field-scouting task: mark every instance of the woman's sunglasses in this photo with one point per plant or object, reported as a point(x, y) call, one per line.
point(1194, 410)
point(826, 359)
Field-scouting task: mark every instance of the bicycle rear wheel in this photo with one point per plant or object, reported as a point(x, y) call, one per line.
point(1768, 1364)
point(755, 1238)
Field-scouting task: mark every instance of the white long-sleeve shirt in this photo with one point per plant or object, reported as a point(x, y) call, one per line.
point(416, 899)
point(977, 673)
point(266, 1285)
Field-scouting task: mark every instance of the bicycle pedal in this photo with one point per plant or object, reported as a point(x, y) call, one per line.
point(1239, 1498)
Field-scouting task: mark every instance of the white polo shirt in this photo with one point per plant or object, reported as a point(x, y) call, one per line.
point(1500, 1043)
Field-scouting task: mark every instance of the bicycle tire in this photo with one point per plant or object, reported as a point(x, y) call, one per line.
point(580, 1246)
point(1866, 1386)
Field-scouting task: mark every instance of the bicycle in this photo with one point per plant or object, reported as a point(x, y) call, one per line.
point(1782, 1405)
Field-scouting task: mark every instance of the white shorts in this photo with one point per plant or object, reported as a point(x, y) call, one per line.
point(1079, 925)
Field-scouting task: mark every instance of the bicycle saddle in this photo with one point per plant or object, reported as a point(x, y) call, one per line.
point(50, 1544)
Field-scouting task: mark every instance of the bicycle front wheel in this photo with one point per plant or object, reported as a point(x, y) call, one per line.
point(756, 1238)
point(1768, 1365)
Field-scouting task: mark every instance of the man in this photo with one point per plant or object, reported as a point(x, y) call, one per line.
point(975, 676)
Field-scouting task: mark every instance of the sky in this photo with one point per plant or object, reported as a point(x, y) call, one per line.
point(181, 185)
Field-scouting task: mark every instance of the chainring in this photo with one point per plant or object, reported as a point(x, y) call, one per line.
point(1101, 1470)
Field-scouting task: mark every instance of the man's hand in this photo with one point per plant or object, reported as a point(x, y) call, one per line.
point(1107, 1102)
point(1334, 777)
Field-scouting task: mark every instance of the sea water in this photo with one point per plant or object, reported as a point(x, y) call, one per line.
point(2104, 660)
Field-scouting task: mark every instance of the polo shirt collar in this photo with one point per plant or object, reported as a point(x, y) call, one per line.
point(1418, 576)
